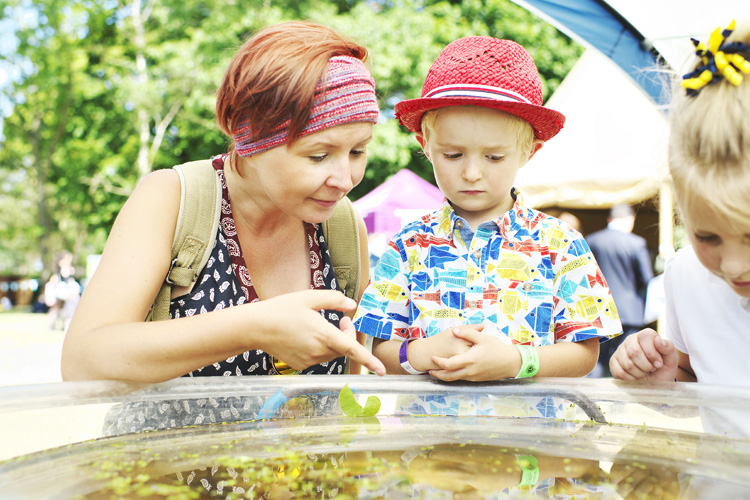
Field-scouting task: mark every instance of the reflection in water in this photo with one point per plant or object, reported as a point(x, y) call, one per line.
point(441, 471)
point(268, 439)
point(389, 458)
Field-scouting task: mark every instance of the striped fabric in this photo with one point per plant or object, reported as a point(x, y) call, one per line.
point(346, 96)
point(467, 90)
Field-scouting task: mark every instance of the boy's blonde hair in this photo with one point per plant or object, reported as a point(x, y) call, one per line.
point(514, 125)
point(709, 147)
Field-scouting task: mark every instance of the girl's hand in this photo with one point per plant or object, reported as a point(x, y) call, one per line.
point(645, 355)
point(299, 335)
point(487, 359)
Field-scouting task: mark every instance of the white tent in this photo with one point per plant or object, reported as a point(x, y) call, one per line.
point(612, 148)
point(629, 33)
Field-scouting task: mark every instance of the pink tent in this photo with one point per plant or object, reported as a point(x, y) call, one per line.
point(402, 198)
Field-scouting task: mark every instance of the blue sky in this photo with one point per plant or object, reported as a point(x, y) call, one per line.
point(12, 67)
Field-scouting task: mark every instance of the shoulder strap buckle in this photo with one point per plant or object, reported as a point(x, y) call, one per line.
point(168, 279)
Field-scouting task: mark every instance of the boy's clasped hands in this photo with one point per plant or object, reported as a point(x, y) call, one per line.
point(464, 353)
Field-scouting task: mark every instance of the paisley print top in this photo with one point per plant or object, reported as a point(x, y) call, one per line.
point(225, 282)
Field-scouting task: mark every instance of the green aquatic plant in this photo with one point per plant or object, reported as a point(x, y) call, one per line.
point(352, 408)
point(357, 415)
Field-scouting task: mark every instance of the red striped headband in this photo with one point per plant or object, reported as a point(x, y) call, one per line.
point(347, 96)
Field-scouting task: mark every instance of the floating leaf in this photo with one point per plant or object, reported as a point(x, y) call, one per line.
point(349, 405)
point(372, 406)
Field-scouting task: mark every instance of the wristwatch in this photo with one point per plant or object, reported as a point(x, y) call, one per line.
point(404, 359)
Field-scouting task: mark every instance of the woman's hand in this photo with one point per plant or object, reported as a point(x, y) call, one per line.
point(297, 333)
point(645, 355)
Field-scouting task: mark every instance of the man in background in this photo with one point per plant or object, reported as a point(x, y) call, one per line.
point(626, 264)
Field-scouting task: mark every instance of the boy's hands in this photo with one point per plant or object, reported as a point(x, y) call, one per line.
point(645, 355)
point(444, 344)
point(487, 359)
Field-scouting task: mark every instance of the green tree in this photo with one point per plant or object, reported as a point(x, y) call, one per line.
point(40, 154)
point(108, 90)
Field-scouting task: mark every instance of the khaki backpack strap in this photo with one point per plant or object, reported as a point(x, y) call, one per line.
point(195, 233)
point(341, 232)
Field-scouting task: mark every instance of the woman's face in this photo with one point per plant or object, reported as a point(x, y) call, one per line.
point(307, 177)
point(725, 251)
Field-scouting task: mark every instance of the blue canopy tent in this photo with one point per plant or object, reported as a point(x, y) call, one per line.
point(639, 35)
point(598, 24)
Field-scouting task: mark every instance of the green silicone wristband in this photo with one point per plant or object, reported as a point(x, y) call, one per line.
point(529, 361)
point(529, 470)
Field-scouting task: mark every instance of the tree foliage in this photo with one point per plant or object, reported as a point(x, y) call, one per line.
point(104, 91)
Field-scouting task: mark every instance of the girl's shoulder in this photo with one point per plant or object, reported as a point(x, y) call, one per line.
point(684, 261)
point(684, 273)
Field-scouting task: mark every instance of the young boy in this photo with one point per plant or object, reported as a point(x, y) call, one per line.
point(485, 288)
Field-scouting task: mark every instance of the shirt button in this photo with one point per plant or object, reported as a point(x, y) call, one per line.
point(527, 286)
point(472, 304)
point(459, 224)
point(478, 254)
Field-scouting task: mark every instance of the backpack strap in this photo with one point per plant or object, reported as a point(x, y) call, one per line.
point(198, 221)
point(341, 232)
point(195, 233)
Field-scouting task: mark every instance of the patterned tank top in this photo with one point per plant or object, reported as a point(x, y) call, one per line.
point(226, 282)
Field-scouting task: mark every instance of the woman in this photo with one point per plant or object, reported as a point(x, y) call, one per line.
point(300, 106)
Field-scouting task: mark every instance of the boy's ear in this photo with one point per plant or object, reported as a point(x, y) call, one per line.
point(538, 143)
point(421, 141)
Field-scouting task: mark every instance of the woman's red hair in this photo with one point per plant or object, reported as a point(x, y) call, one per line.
point(272, 77)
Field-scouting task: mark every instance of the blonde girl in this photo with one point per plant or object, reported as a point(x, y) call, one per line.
point(707, 284)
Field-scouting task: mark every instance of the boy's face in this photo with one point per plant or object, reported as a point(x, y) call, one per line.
point(723, 251)
point(475, 157)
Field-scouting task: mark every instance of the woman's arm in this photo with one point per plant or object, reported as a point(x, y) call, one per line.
point(108, 338)
point(132, 268)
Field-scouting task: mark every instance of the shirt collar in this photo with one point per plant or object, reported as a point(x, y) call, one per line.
point(508, 223)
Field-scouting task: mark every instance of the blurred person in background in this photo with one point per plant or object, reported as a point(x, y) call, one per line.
point(626, 265)
point(62, 292)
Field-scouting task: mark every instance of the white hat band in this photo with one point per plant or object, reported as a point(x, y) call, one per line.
point(480, 91)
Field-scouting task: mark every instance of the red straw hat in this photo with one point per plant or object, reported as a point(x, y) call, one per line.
point(484, 71)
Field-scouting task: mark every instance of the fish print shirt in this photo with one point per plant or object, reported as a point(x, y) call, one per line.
point(530, 278)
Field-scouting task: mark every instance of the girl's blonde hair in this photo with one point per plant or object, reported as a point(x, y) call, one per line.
point(514, 125)
point(709, 147)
